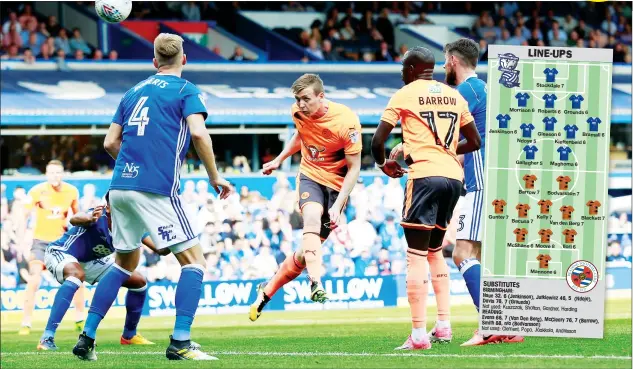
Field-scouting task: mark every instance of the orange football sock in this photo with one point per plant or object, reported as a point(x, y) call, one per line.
point(417, 285)
point(313, 255)
point(441, 284)
point(288, 270)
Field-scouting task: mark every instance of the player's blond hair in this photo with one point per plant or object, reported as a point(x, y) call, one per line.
point(168, 49)
point(308, 80)
point(55, 162)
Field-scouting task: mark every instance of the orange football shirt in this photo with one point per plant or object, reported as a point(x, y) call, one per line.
point(325, 142)
point(51, 209)
point(431, 114)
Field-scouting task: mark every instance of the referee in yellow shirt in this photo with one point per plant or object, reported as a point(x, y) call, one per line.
point(50, 202)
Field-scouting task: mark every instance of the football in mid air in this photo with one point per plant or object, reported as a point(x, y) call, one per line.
point(113, 11)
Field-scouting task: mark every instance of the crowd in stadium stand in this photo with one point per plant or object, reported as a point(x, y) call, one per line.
point(345, 36)
point(28, 37)
point(247, 235)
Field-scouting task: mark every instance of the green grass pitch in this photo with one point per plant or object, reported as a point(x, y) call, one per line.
point(332, 339)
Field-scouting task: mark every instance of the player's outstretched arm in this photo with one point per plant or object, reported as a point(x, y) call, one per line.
point(471, 141)
point(147, 241)
point(292, 146)
point(388, 166)
point(113, 139)
point(82, 219)
point(204, 148)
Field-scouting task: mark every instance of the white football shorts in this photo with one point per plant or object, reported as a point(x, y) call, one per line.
point(469, 226)
point(56, 260)
point(168, 222)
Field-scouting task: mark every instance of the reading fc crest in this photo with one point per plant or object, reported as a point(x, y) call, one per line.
point(582, 276)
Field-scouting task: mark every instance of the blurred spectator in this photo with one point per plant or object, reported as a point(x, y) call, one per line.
point(582, 29)
point(483, 50)
point(405, 17)
point(366, 23)
point(573, 39)
point(13, 20)
point(385, 27)
point(97, 55)
point(44, 34)
point(12, 37)
point(569, 23)
point(402, 50)
point(349, 16)
point(29, 58)
point(12, 52)
point(518, 38)
point(63, 42)
point(625, 36)
point(422, 19)
point(375, 35)
point(78, 43)
point(505, 38)
point(384, 54)
point(534, 39)
point(304, 39)
point(113, 55)
point(347, 32)
point(328, 53)
point(190, 11)
point(52, 26)
point(555, 39)
point(34, 42)
point(27, 16)
point(562, 35)
point(238, 55)
point(89, 198)
point(314, 49)
point(30, 27)
point(608, 25)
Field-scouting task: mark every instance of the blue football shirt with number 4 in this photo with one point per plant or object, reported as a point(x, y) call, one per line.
point(156, 136)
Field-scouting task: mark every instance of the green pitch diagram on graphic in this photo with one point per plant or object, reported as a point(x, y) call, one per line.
point(545, 202)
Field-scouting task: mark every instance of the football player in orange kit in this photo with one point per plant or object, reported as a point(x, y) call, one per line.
point(50, 202)
point(329, 137)
point(432, 116)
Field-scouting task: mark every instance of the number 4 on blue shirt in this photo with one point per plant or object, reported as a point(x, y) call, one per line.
point(593, 124)
point(503, 120)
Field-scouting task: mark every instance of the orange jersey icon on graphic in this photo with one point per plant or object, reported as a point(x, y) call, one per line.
point(563, 182)
point(520, 233)
point(545, 205)
point(569, 235)
point(593, 205)
point(523, 210)
point(529, 180)
point(545, 235)
point(543, 261)
point(567, 211)
point(499, 204)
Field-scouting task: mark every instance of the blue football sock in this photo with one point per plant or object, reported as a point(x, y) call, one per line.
point(187, 299)
point(134, 305)
point(61, 304)
point(105, 294)
point(471, 271)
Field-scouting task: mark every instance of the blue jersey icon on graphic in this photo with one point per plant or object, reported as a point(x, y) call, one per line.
point(503, 120)
point(530, 150)
point(576, 100)
point(550, 74)
point(564, 152)
point(522, 99)
point(549, 123)
point(549, 100)
point(571, 131)
point(593, 124)
point(527, 129)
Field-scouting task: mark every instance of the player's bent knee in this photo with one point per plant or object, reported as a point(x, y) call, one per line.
point(135, 281)
point(312, 213)
point(191, 256)
point(74, 270)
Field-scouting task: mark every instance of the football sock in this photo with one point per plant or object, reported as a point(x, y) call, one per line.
point(471, 271)
point(80, 303)
point(61, 304)
point(418, 334)
point(134, 301)
point(417, 286)
point(105, 294)
point(313, 255)
point(443, 324)
point(441, 283)
point(288, 270)
point(187, 299)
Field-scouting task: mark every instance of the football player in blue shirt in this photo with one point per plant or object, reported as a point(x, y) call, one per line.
point(149, 138)
point(84, 253)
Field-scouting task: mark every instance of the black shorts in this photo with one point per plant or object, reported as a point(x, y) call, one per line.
point(429, 202)
point(311, 191)
point(38, 250)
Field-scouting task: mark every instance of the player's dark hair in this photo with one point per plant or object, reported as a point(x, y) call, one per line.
point(465, 49)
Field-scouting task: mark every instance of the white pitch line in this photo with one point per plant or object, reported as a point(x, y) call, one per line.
point(550, 170)
point(339, 354)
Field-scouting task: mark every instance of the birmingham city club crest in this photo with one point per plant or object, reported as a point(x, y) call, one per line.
point(507, 65)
